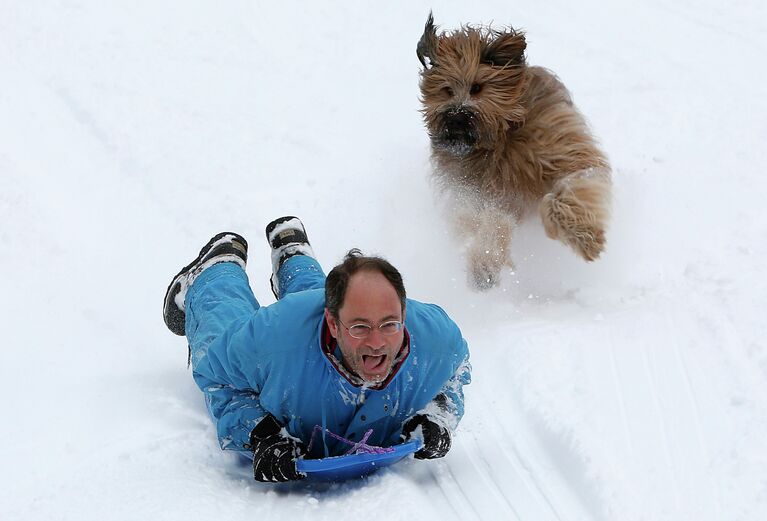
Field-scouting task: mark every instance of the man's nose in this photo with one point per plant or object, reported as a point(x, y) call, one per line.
point(376, 339)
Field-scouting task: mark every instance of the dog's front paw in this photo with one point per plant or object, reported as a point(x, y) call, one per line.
point(589, 243)
point(574, 224)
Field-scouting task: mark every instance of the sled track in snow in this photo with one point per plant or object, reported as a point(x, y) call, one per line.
point(496, 474)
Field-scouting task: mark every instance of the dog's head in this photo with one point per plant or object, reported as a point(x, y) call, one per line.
point(472, 84)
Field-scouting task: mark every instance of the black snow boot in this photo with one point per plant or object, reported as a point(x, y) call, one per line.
point(224, 247)
point(287, 237)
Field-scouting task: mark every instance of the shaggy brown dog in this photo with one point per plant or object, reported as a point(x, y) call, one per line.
point(506, 138)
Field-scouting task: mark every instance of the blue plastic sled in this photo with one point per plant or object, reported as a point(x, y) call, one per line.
point(340, 468)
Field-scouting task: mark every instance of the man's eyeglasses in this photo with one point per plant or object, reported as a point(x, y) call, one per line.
point(391, 327)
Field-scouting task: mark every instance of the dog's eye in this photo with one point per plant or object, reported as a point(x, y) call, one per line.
point(475, 89)
point(448, 91)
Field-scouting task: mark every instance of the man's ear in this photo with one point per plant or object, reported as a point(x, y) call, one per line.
point(332, 323)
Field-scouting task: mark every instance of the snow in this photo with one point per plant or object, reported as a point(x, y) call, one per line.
point(632, 388)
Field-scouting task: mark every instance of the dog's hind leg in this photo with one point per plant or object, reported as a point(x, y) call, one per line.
point(487, 232)
point(577, 209)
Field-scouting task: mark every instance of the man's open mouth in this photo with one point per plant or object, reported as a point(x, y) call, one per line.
point(373, 363)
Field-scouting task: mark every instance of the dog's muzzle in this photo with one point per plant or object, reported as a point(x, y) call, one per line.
point(458, 134)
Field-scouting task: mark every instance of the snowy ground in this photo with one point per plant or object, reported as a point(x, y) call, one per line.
point(634, 388)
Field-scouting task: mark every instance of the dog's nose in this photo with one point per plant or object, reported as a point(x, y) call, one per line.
point(459, 126)
point(458, 121)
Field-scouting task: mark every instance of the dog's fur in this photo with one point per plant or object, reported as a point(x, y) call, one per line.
point(506, 138)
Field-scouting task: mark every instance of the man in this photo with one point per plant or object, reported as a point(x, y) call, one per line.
point(348, 353)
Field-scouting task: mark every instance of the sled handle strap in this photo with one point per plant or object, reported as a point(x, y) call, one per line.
point(356, 448)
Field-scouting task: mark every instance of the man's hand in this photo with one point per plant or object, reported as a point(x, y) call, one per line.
point(274, 453)
point(436, 438)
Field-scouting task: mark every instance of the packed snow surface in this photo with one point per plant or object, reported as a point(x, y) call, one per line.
point(631, 388)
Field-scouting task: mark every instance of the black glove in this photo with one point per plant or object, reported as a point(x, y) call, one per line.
point(274, 454)
point(436, 438)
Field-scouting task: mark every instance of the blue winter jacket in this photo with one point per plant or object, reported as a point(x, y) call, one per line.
point(251, 360)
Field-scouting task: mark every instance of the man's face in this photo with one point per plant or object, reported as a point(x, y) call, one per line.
point(370, 300)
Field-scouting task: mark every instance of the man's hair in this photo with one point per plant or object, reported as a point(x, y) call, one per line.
point(354, 261)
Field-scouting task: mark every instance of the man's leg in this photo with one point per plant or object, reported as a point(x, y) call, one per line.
point(299, 273)
point(210, 301)
point(220, 298)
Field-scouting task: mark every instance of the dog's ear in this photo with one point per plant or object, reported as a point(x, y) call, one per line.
point(427, 45)
point(506, 49)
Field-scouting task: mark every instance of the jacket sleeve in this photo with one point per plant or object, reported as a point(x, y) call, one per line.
point(231, 371)
point(449, 348)
point(447, 406)
point(235, 413)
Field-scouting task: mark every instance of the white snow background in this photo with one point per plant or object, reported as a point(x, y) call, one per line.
point(632, 388)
